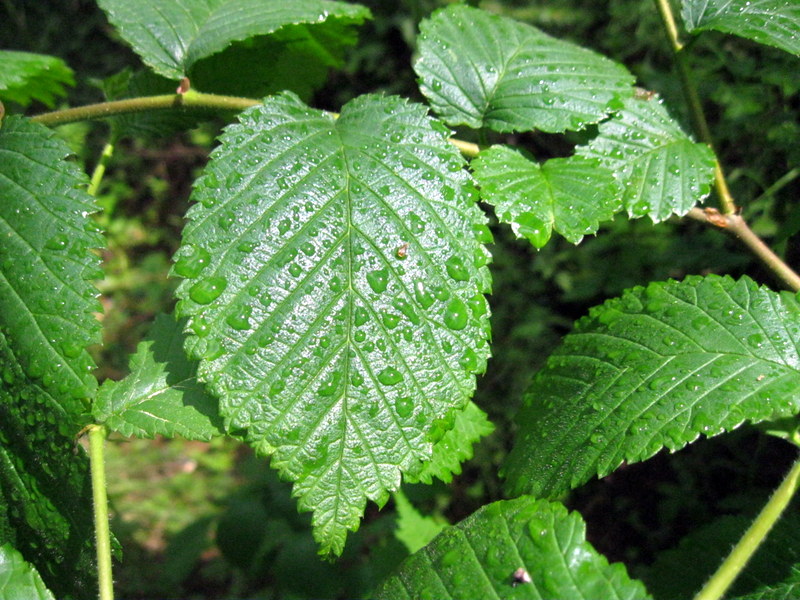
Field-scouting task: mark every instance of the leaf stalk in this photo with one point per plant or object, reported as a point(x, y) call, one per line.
point(97, 437)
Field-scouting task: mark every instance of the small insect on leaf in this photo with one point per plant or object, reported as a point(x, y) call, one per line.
point(402, 251)
point(520, 576)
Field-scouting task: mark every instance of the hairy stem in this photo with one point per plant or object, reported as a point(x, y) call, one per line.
point(752, 538)
point(701, 128)
point(97, 437)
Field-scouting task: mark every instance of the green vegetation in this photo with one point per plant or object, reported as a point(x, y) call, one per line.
point(323, 299)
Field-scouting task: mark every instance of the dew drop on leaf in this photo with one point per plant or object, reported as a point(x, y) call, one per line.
point(207, 290)
point(390, 376)
point(191, 264)
point(455, 315)
point(423, 295)
point(378, 280)
point(57, 242)
point(240, 320)
point(456, 269)
point(403, 406)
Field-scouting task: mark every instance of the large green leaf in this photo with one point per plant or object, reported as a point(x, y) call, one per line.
point(483, 70)
point(771, 22)
point(571, 195)
point(45, 492)
point(656, 368)
point(26, 77)
point(161, 396)
point(19, 579)
point(172, 35)
point(521, 548)
point(46, 260)
point(335, 289)
point(663, 172)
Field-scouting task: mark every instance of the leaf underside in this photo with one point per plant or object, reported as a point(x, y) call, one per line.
point(569, 195)
point(27, 77)
point(46, 260)
point(19, 579)
point(161, 396)
point(662, 171)
point(171, 36)
point(45, 492)
point(770, 22)
point(335, 289)
point(483, 70)
point(523, 548)
point(656, 368)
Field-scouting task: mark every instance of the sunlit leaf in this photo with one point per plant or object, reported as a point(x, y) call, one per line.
point(27, 77)
point(413, 529)
point(19, 579)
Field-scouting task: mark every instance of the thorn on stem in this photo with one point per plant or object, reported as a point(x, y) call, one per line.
point(183, 86)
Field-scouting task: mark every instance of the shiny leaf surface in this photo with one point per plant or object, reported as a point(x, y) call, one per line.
point(27, 77)
point(19, 579)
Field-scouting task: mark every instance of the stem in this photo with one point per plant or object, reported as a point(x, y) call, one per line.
point(97, 436)
point(100, 169)
point(752, 539)
point(695, 106)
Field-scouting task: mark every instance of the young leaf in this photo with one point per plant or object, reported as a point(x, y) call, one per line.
point(663, 172)
point(771, 22)
point(26, 77)
point(483, 70)
point(46, 237)
point(523, 548)
point(571, 195)
point(455, 446)
point(46, 507)
point(335, 289)
point(161, 396)
point(172, 35)
point(19, 579)
point(656, 368)
point(413, 529)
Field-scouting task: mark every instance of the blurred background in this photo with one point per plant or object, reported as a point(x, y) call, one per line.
point(212, 521)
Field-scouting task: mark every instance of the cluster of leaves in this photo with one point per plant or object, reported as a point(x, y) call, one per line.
point(332, 311)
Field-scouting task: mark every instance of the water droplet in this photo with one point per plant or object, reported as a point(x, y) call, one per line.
point(390, 376)
point(478, 305)
point(71, 349)
point(390, 320)
point(456, 269)
point(416, 224)
point(403, 406)
point(295, 270)
point(284, 226)
point(423, 295)
point(455, 314)
point(200, 326)
point(57, 242)
point(329, 387)
point(407, 309)
point(360, 316)
point(240, 320)
point(469, 361)
point(378, 280)
point(207, 290)
point(191, 263)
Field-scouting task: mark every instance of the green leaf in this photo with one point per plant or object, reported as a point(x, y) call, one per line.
point(663, 172)
point(27, 77)
point(19, 579)
point(161, 396)
point(770, 22)
point(413, 529)
point(656, 368)
point(772, 573)
point(336, 294)
point(571, 195)
point(483, 70)
point(172, 35)
point(45, 491)
point(523, 548)
point(46, 260)
point(455, 446)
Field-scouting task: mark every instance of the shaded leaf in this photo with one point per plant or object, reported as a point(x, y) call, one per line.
point(172, 35)
point(45, 491)
point(571, 195)
point(655, 368)
point(771, 22)
point(19, 579)
point(483, 70)
point(46, 260)
point(335, 289)
point(662, 171)
point(413, 529)
point(161, 396)
point(455, 446)
point(27, 77)
point(523, 548)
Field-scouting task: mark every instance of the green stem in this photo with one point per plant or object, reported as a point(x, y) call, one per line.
point(100, 169)
point(701, 128)
point(752, 539)
point(97, 437)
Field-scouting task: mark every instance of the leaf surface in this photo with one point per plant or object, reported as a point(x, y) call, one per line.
point(45, 491)
point(19, 579)
point(770, 22)
point(27, 77)
point(656, 368)
point(483, 70)
point(413, 529)
point(161, 396)
point(479, 557)
point(172, 35)
point(662, 171)
point(569, 195)
point(46, 260)
point(335, 289)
